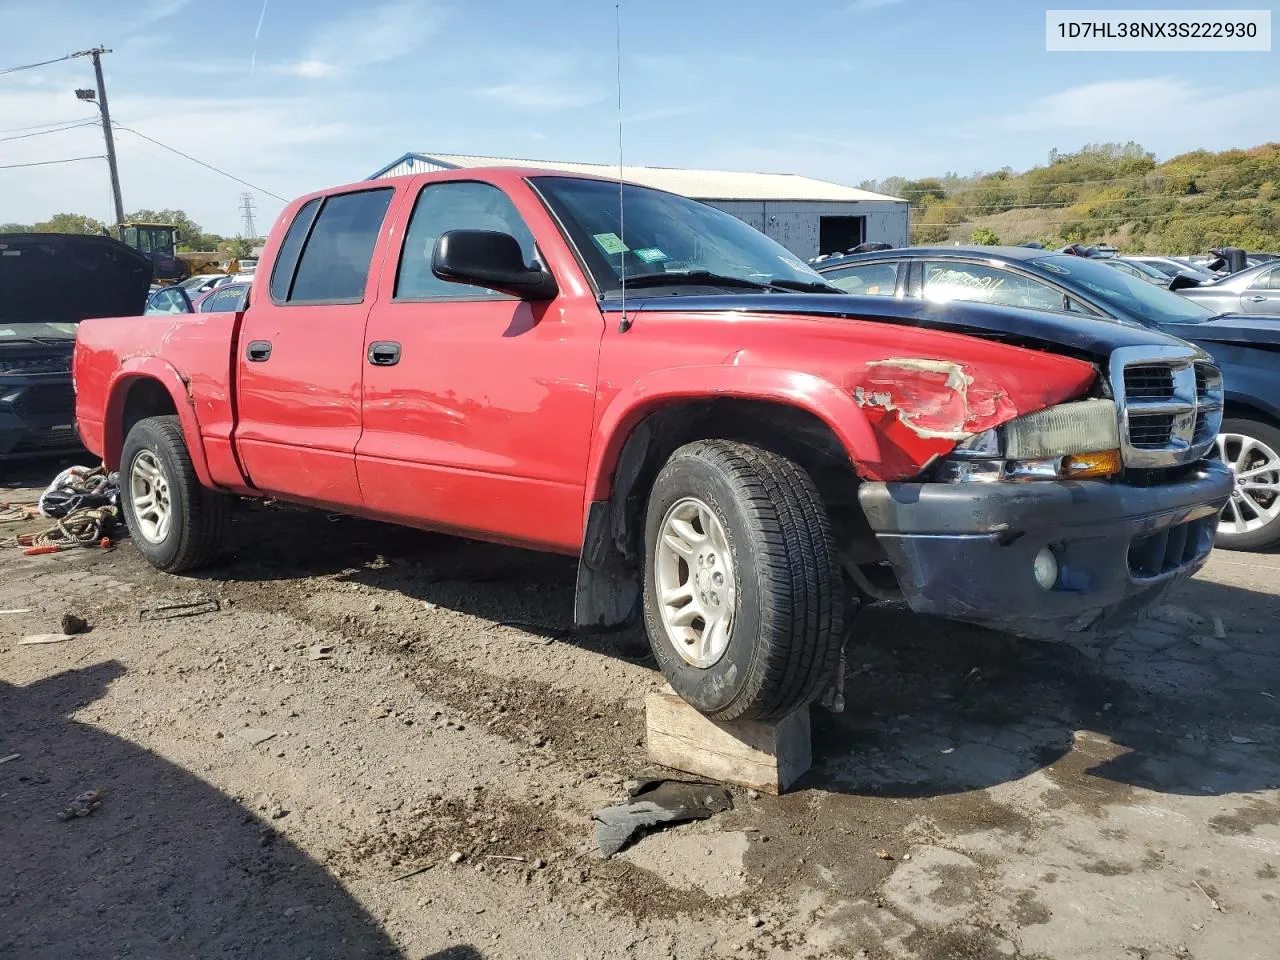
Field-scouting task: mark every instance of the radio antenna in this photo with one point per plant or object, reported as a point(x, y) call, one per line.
point(625, 325)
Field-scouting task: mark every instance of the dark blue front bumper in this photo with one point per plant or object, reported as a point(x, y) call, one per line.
point(966, 551)
point(37, 416)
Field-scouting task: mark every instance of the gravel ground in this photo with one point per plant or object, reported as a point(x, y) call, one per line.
point(980, 798)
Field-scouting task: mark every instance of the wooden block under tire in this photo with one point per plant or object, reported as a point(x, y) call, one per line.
point(768, 757)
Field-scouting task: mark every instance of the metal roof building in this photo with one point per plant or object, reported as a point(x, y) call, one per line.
point(807, 216)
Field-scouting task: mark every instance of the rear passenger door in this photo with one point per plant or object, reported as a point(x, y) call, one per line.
point(301, 352)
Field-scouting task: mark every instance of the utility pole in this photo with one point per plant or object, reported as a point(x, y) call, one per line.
point(97, 53)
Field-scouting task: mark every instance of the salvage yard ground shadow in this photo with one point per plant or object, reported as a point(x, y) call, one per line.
point(168, 866)
point(934, 708)
point(276, 542)
point(937, 708)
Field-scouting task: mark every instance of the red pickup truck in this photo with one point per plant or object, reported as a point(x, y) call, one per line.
point(736, 451)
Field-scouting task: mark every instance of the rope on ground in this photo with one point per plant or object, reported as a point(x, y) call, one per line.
point(89, 527)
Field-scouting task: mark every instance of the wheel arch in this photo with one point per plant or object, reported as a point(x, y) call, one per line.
point(1242, 408)
point(150, 387)
point(645, 436)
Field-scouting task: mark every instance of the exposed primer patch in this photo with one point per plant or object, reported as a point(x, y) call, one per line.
point(930, 397)
point(957, 379)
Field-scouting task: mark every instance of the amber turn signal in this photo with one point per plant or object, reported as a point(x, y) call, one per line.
point(1105, 463)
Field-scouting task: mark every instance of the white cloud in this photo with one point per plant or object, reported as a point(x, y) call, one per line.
point(284, 130)
point(1162, 113)
point(541, 97)
point(365, 38)
point(308, 69)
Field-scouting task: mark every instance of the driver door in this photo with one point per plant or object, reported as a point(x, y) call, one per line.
point(477, 406)
point(1263, 296)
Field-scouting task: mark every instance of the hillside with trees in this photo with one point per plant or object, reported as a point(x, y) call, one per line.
point(1107, 192)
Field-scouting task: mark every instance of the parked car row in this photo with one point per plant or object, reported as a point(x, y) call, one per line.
point(227, 293)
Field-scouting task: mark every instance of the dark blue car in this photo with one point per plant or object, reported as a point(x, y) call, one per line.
point(1243, 346)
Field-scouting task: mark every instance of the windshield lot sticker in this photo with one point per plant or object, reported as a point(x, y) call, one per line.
point(651, 255)
point(610, 243)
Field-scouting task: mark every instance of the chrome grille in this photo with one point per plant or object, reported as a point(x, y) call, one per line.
point(1150, 431)
point(1169, 400)
point(1148, 382)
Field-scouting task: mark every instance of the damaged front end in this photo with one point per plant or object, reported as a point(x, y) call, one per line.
point(1071, 517)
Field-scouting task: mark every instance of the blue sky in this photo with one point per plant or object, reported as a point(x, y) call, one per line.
point(326, 92)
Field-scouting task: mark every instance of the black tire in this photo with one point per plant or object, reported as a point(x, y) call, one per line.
point(1263, 537)
point(789, 597)
point(197, 515)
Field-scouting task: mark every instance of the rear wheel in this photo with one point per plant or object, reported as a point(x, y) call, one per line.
point(743, 597)
point(1251, 518)
point(175, 522)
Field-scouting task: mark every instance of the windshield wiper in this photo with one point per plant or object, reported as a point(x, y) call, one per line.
point(807, 286)
point(702, 278)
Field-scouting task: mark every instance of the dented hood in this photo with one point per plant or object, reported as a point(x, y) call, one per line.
point(56, 278)
point(1094, 337)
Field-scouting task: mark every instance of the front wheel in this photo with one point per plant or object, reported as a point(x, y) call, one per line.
point(174, 521)
point(743, 597)
point(1251, 518)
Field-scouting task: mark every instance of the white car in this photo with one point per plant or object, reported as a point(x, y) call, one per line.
point(203, 282)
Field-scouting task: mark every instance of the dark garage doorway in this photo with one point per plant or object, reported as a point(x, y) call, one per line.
point(838, 234)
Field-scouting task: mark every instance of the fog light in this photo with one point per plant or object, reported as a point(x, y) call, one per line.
point(1046, 568)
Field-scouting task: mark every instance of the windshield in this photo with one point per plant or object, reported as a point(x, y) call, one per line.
point(16, 332)
point(1122, 292)
point(199, 282)
point(1144, 268)
point(663, 234)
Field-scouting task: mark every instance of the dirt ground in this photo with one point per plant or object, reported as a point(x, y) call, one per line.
point(981, 797)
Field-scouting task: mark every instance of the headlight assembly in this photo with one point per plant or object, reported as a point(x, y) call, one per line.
point(1066, 441)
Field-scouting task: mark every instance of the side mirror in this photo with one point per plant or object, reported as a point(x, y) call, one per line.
point(1181, 281)
point(488, 258)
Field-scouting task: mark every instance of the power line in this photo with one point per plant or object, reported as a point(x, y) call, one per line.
point(207, 166)
point(997, 208)
point(42, 133)
point(45, 163)
point(32, 66)
point(1048, 185)
point(41, 126)
point(1085, 219)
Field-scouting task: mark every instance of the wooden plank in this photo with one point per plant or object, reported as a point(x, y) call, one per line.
point(767, 757)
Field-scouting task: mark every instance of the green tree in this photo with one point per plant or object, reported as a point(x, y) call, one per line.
point(984, 236)
point(238, 247)
point(69, 223)
point(15, 228)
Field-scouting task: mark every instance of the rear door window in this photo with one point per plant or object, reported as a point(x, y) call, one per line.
point(334, 266)
point(956, 280)
point(287, 256)
point(227, 300)
point(878, 279)
point(1268, 281)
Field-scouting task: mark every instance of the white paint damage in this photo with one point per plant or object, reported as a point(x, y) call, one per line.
point(957, 381)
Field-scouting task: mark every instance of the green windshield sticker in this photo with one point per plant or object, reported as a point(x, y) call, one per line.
point(611, 243)
point(651, 255)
